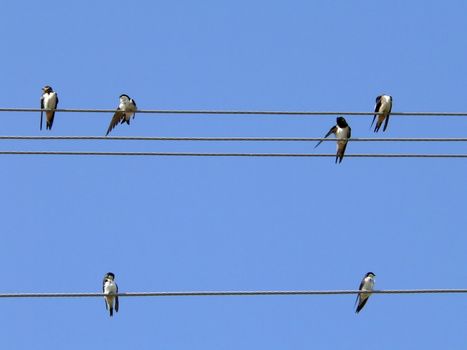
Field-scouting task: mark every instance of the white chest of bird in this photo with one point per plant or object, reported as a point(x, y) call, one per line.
point(50, 100)
point(341, 135)
point(368, 284)
point(110, 287)
point(128, 107)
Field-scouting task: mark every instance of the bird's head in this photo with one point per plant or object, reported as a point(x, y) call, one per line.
point(341, 122)
point(109, 276)
point(46, 89)
point(370, 274)
point(124, 97)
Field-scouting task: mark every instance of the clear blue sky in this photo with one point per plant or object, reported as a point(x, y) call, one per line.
point(175, 224)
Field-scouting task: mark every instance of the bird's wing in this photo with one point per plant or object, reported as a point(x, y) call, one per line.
point(387, 119)
point(134, 104)
point(386, 123)
point(52, 114)
point(116, 299)
point(378, 102)
point(55, 107)
point(115, 120)
point(377, 107)
point(331, 131)
point(42, 107)
point(361, 305)
point(105, 299)
point(359, 288)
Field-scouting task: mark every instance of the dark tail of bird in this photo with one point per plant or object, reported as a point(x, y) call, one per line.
point(50, 120)
point(373, 122)
point(361, 305)
point(340, 156)
point(111, 310)
point(386, 123)
point(378, 125)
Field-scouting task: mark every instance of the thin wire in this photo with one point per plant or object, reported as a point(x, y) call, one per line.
point(187, 154)
point(278, 139)
point(236, 112)
point(233, 293)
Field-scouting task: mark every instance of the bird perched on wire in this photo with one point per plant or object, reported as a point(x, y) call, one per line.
point(49, 100)
point(342, 131)
point(126, 109)
point(110, 288)
point(367, 284)
point(384, 106)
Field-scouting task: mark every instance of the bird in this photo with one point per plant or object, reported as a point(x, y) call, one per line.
point(383, 105)
point(342, 131)
point(126, 109)
point(110, 288)
point(367, 284)
point(49, 100)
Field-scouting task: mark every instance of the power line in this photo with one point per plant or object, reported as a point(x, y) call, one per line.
point(235, 139)
point(233, 293)
point(189, 154)
point(238, 112)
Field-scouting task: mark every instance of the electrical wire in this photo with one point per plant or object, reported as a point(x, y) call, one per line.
point(233, 139)
point(189, 154)
point(233, 293)
point(238, 112)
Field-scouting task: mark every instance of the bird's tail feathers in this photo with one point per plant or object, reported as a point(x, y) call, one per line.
point(50, 120)
point(373, 121)
point(361, 305)
point(377, 126)
point(386, 123)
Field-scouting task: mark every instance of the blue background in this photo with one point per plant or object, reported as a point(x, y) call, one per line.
point(176, 224)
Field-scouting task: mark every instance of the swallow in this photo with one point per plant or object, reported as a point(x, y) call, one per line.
point(49, 100)
point(110, 288)
point(367, 284)
point(342, 131)
point(383, 105)
point(126, 109)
